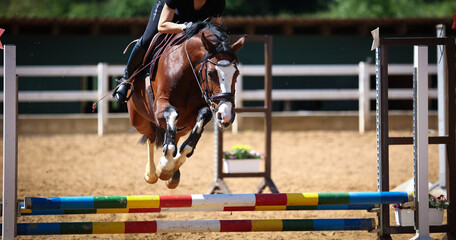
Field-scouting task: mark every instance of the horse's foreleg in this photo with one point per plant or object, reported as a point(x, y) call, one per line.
point(188, 147)
point(150, 176)
point(167, 163)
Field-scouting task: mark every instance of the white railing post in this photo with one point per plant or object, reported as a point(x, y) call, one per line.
point(364, 97)
point(441, 105)
point(10, 209)
point(421, 141)
point(103, 103)
point(238, 102)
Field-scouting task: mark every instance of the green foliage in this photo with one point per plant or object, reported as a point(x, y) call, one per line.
point(241, 152)
point(441, 9)
point(33, 8)
point(283, 8)
point(440, 202)
point(128, 8)
point(76, 9)
point(390, 8)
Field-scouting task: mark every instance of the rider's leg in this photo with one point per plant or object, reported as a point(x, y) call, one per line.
point(136, 58)
point(139, 51)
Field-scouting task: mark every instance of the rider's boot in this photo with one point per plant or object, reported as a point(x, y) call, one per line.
point(136, 58)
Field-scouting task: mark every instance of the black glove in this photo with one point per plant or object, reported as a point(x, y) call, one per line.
point(193, 28)
point(187, 25)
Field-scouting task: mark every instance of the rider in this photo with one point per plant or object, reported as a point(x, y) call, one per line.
point(168, 16)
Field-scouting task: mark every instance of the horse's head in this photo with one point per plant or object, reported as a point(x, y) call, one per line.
point(218, 72)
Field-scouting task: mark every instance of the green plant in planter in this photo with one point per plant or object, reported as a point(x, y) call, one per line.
point(241, 152)
point(440, 202)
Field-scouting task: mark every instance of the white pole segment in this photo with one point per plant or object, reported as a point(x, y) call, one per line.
point(9, 144)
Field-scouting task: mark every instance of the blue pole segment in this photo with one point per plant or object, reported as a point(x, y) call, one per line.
point(38, 229)
point(378, 197)
point(346, 207)
point(59, 203)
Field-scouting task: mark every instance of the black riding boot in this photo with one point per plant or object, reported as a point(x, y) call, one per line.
point(136, 58)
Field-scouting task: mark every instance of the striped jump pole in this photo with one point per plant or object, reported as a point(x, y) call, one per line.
point(29, 212)
point(217, 200)
point(195, 226)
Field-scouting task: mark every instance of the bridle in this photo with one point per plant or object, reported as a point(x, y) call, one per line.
point(201, 78)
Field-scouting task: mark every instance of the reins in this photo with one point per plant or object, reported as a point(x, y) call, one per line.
point(132, 77)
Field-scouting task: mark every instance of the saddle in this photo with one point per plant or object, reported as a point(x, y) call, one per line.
point(156, 49)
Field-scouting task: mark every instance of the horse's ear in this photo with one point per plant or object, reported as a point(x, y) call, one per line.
point(238, 44)
point(208, 45)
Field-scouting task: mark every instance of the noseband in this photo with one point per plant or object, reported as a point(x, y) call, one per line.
point(201, 78)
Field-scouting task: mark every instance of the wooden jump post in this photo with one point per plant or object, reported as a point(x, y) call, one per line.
point(10, 208)
point(219, 185)
point(420, 140)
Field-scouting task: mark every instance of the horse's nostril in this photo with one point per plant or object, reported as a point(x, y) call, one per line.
point(219, 116)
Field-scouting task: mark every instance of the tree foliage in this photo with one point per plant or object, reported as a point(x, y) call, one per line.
point(284, 8)
point(391, 8)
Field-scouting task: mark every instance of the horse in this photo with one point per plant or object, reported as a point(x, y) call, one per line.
point(191, 82)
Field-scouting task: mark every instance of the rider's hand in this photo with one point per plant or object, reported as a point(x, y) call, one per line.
point(187, 25)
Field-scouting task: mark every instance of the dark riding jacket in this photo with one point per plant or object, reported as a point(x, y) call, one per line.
point(185, 12)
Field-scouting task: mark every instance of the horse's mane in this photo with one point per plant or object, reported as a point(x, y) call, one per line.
point(217, 29)
point(219, 36)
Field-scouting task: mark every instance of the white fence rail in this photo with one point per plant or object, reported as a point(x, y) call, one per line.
point(363, 94)
point(103, 71)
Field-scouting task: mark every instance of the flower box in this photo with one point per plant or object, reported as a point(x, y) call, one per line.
point(241, 165)
point(241, 159)
point(406, 217)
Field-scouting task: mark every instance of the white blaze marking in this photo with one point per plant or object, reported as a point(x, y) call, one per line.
point(225, 75)
point(225, 109)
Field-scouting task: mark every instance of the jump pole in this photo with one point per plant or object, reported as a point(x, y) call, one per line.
point(29, 212)
point(9, 211)
point(215, 200)
point(196, 226)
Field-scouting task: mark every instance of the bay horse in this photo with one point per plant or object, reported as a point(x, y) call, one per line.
point(193, 80)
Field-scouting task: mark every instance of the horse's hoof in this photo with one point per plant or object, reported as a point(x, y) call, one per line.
point(151, 179)
point(164, 174)
point(174, 181)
